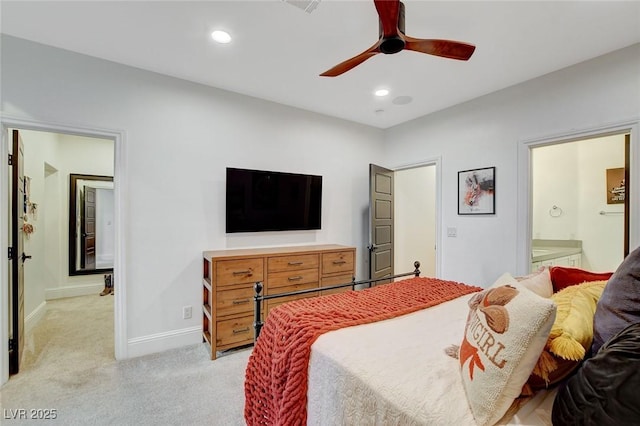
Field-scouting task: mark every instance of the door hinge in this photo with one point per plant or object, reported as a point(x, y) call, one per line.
point(10, 253)
point(12, 343)
point(10, 160)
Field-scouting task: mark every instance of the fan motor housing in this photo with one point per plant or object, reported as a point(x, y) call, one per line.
point(396, 43)
point(392, 45)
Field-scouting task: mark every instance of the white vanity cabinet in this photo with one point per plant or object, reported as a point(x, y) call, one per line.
point(572, 261)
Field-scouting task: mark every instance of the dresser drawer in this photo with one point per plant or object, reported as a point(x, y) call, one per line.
point(272, 303)
point(293, 263)
point(337, 262)
point(234, 331)
point(229, 272)
point(335, 280)
point(291, 278)
point(234, 300)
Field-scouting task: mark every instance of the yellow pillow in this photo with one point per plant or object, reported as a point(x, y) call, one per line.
point(572, 331)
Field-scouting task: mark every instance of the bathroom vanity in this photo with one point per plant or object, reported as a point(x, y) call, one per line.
point(556, 253)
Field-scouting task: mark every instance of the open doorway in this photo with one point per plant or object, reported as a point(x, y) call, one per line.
point(579, 203)
point(415, 218)
point(403, 219)
point(49, 161)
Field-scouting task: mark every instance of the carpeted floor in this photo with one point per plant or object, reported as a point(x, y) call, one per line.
point(68, 366)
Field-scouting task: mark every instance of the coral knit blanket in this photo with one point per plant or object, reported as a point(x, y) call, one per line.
point(276, 375)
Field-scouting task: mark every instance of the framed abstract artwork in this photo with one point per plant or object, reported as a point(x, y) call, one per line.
point(615, 186)
point(476, 191)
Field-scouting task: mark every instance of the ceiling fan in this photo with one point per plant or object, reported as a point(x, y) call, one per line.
point(393, 39)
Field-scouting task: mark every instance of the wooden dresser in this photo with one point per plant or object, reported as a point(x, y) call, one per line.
point(229, 276)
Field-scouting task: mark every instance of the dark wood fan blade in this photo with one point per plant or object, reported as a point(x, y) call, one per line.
point(388, 11)
point(445, 48)
point(345, 66)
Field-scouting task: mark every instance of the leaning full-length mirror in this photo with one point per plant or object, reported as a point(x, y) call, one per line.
point(91, 231)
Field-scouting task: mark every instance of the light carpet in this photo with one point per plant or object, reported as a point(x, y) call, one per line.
point(69, 366)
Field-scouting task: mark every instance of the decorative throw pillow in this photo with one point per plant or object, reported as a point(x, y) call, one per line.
point(562, 277)
point(539, 282)
point(571, 334)
point(536, 272)
point(506, 330)
point(619, 305)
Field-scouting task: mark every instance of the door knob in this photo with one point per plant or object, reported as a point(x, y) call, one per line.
point(373, 247)
point(25, 257)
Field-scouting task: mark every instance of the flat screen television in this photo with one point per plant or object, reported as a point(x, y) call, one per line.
point(259, 200)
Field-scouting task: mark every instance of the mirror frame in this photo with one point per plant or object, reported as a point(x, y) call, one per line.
point(73, 179)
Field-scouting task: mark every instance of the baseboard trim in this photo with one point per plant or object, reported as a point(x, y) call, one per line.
point(160, 342)
point(34, 317)
point(73, 291)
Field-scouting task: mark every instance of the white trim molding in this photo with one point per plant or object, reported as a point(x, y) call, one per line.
point(34, 317)
point(72, 291)
point(160, 342)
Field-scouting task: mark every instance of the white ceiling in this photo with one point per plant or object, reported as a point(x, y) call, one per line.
point(278, 50)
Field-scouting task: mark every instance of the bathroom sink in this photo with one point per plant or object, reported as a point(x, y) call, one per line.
point(540, 252)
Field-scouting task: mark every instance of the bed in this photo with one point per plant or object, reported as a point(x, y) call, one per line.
point(350, 359)
point(384, 391)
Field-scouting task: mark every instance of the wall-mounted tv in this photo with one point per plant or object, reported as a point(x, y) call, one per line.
point(259, 200)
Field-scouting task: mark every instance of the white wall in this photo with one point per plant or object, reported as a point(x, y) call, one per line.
point(178, 139)
point(555, 170)
point(572, 176)
point(602, 236)
point(53, 218)
point(35, 269)
point(49, 160)
point(87, 156)
point(488, 132)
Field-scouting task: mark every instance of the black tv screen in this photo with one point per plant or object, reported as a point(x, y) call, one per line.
point(259, 200)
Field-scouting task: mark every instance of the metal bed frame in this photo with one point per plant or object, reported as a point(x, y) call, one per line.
point(258, 297)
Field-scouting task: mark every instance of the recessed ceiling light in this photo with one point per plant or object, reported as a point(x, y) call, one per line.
point(382, 92)
point(221, 36)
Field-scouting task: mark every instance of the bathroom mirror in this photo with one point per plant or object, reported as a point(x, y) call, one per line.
point(91, 230)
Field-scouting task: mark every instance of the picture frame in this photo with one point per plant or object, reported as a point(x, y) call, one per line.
point(476, 191)
point(616, 185)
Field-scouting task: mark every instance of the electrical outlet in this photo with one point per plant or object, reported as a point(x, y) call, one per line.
point(187, 311)
point(452, 232)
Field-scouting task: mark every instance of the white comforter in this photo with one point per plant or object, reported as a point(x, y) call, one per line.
point(395, 372)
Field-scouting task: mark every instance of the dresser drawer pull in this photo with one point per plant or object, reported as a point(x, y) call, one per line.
point(240, 302)
point(295, 263)
point(339, 262)
point(243, 272)
point(296, 278)
point(241, 330)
